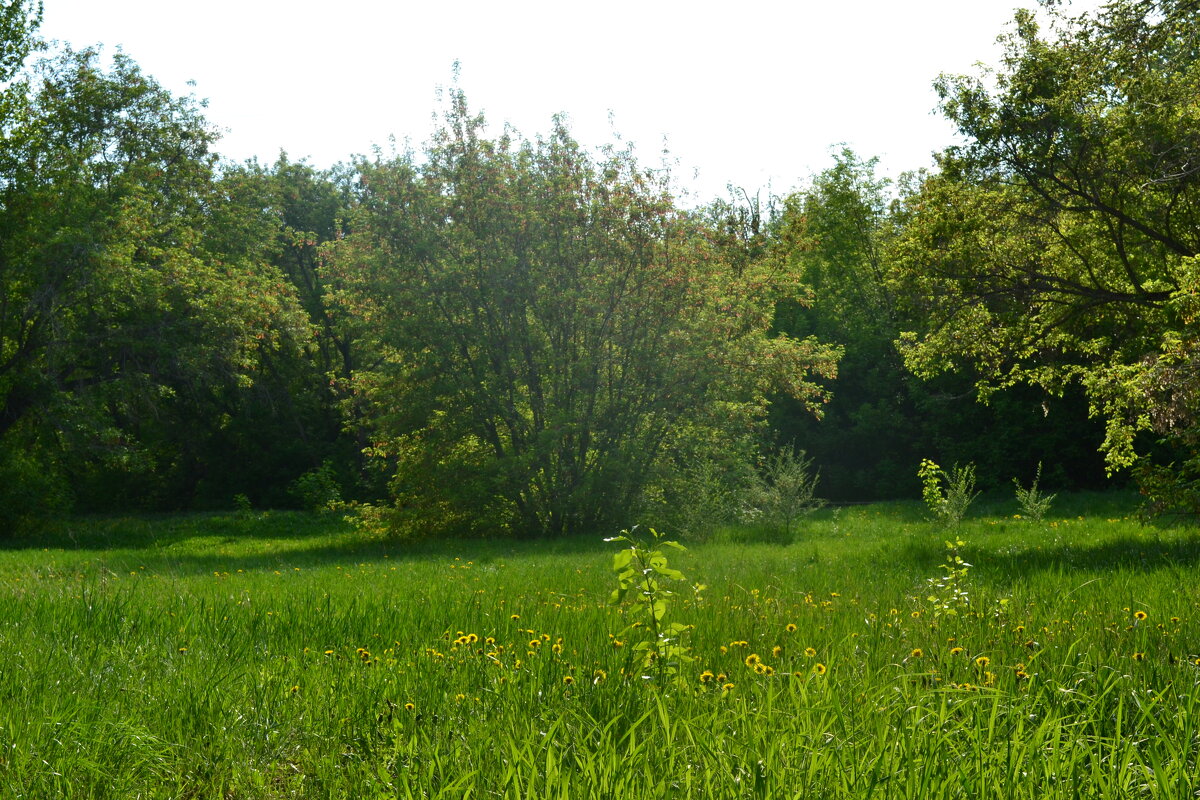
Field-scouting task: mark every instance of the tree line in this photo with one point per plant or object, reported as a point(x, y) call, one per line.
point(497, 333)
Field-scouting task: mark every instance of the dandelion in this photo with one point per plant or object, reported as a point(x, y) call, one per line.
point(916, 653)
point(726, 688)
point(915, 614)
point(752, 659)
point(1138, 656)
point(618, 643)
point(790, 628)
point(954, 651)
point(1174, 620)
point(721, 676)
point(515, 617)
point(568, 680)
point(534, 644)
point(810, 652)
point(460, 697)
point(1139, 615)
point(768, 671)
point(760, 668)
point(183, 649)
point(409, 706)
point(819, 668)
point(982, 662)
point(599, 676)
point(776, 651)
point(556, 648)
point(295, 689)
point(706, 677)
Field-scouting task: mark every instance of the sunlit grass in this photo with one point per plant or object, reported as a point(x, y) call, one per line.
point(278, 655)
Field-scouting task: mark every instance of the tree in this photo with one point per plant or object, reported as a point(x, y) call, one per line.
point(549, 327)
point(1057, 245)
point(124, 298)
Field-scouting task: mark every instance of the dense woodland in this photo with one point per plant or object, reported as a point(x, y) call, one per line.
point(503, 334)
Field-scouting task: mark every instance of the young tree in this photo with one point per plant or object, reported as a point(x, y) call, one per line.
point(548, 324)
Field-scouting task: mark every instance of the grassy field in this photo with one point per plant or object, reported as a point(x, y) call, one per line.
point(273, 655)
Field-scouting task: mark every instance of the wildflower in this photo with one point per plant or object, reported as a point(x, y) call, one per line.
point(472, 638)
point(752, 659)
point(515, 617)
point(706, 677)
point(768, 670)
point(819, 668)
point(776, 650)
point(916, 653)
point(460, 697)
point(1139, 615)
point(954, 651)
point(534, 644)
point(568, 680)
point(915, 614)
point(726, 688)
point(810, 652)
point(1174, 620)
point(721, 676)
point(790, 628)
point(618, 643)
point(409, 706)
point(989, 679)
point(982, 662)
point(295, 689)
point(183, 649)
point(599, 676)
point(1139, 656)
point(760, 668)
point(556, 648)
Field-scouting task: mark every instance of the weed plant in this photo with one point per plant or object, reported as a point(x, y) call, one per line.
point(273, 655)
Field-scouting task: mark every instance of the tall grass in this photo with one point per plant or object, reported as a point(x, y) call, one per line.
point(280, 655)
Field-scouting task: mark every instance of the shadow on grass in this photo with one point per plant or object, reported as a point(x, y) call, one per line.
point(206, 543)
point(1150, 553)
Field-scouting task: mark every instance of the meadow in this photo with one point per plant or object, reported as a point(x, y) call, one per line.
point(281, 655)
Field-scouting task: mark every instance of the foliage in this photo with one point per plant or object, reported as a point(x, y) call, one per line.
point(318, 489)
point(545, 324)
point(947, 495)
point(136, 302)
point(1057, 244)
point(1034, 503)
point(641, 568)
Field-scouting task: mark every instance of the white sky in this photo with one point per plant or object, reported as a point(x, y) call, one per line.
point(750, 93)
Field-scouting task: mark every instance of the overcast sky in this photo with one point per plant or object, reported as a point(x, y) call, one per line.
point(748, 94)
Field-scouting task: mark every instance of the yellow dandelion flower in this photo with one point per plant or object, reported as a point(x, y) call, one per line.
point(515, 617)
point(722, 677)
point(954, 651)
point(556, 648)
point(790, 628)
point(982, 662)
point(618, 643)
point(1139, 656)
point(915, 614)
point(460, 697)
point(568, 680)
point(776, 651)
point(752, 659)
point(183, 649)
point(706, 677)
point(295, 689)
point(535, 644)
point(409, 706)
point(916, 653)
point(810, 652)
point(819, 668)
point(599, 676)
point(768, 670)
point(728, 687)
point(1139, 615)
point(760, 668)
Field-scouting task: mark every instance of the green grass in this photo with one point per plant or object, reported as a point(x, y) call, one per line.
point(273, 655)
